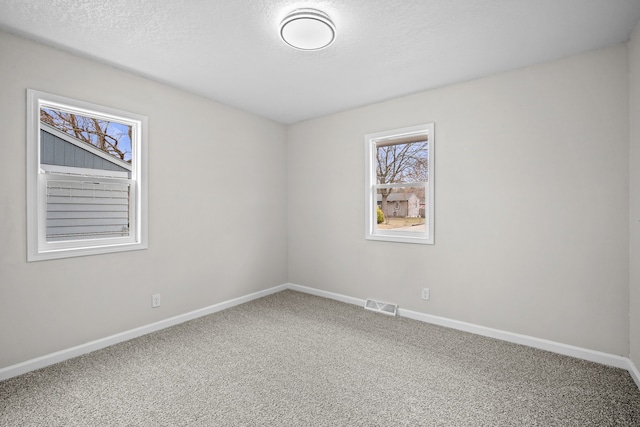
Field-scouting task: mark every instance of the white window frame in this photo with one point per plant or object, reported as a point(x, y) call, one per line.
point(38, 248)
point(371, 186)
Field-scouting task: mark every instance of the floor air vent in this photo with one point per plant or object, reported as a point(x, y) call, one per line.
point(381, 307)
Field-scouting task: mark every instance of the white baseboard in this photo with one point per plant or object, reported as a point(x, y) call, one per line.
point(568, 350)
point(635, 374)
point(539, 343)
point(555, 347)
point(325, 294)
point(59, 356)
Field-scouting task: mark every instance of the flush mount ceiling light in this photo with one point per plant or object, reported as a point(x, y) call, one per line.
point(307, 29)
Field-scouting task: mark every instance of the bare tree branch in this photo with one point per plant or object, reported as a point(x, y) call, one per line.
point(401, 163)
point(88, 129)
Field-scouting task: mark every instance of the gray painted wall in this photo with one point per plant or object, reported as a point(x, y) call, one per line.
point(198, 254)
point(634, 194)
point(531, 201)
point(532, 206)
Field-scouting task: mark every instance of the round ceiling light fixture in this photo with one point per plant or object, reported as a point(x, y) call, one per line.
point(307, 29)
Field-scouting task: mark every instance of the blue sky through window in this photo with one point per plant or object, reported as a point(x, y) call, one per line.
point(111, 137)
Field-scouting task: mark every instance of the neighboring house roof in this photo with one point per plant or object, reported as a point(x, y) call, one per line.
point(93, 157)
point(397, 197)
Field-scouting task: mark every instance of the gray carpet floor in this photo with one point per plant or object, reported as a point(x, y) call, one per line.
point(292, 359)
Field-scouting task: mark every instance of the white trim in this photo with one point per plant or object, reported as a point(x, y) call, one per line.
point(539, 343)
point(38, 248)
point(635, 374)
point(326, 294)
point(567, 350)
point(69, 170)
point(62, 355)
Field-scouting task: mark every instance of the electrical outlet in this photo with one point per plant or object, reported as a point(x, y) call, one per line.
point(425, 293)
point(155, 300)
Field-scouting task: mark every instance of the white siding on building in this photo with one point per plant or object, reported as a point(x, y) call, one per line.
point(84, 210)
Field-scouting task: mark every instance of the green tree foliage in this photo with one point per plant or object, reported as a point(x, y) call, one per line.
point(380, 216)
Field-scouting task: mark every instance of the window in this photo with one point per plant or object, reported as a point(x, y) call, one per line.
point(86, 178)
point(399, 185)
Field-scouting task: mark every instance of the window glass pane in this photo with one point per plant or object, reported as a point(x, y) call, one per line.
point(402, 209)
point(110, 137)
point(84, 145)
point(402, 162)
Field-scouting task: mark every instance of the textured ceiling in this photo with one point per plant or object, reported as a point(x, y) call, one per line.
point(230, 51)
